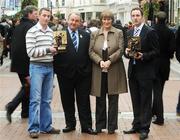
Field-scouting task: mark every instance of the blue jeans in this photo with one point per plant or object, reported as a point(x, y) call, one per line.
point(41, 89)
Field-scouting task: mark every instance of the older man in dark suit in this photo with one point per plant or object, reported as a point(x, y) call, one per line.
point(141, 72)
point(73, 69)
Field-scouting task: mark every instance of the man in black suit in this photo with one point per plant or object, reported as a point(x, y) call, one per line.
point(73, 69)
point(141, 72)
point(20, 61)
point(178, 58)
point(167, 46)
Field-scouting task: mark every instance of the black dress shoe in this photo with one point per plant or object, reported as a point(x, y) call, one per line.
point(24, 116)
point(158, 122)
point(89, 131)
point(111, 131)
point(8, 113)
point(68, 129)
point(143, 136)
point(131, 131)
point(99, 130)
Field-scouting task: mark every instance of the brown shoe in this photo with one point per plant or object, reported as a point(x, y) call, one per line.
point(34, 135)
point(54, 131)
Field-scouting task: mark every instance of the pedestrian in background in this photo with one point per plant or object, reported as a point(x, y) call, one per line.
point(39, 45)
point(20, 62)
point(178, 58)
point(166, 39)
point(108, 72)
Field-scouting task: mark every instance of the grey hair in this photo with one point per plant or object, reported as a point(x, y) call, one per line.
point(29, 9)
point(78, 14)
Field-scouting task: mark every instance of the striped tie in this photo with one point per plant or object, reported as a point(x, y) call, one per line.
point(136, 32)
point(74, 39)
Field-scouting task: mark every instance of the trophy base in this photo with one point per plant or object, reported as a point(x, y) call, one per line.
point(133, 54)
point(61, 49)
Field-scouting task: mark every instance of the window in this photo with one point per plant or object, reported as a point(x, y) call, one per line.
point(98, 14)
point(102, 1)
point(88, 15)
point(63, 2)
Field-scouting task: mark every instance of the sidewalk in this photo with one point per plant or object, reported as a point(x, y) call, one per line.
point(9, 86)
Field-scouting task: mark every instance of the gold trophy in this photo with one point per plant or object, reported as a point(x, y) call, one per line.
point(134, 44)
point(60, 41)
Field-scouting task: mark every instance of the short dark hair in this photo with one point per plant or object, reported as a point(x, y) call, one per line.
point(44, 9)
point(28, 9)
point(161, 16)
point(139, 9)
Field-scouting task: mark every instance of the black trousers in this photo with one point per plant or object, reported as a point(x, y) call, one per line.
point(178, 105)
point(141, 96)
point(104, 120)
point(77, 88)
point(21, 97)
point(158, 109)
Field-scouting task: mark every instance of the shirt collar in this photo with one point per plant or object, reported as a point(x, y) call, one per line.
point(39, 26)
point(70, 31)
point(140, 27)
point(112, 29)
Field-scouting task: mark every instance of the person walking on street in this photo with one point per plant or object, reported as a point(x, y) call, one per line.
point(166, 39)
point(20, 62)
point(178, 58)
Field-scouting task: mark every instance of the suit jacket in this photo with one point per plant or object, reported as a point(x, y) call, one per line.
point(70, 63)
point(178, 44)
point(145, 67)
point(20, 59)
point(166, 39)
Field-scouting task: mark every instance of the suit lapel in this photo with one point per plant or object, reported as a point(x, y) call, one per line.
point(70, 42)
point(143, 32)
point(131, 32)
point(80, 39)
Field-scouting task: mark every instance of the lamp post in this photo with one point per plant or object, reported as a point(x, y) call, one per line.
point(51, 7)
point(3, 10)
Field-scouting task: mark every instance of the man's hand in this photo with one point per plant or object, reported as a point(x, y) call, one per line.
point(27, 78)
point(53, 50)
point(127, 51)
point(138, 55)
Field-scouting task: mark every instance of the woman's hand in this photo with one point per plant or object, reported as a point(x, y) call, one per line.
point(107, 64)
point(102, 64)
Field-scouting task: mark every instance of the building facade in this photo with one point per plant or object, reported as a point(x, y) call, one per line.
point(122, 9)
point(9, 7)
point(91, 9)
point(174, 12)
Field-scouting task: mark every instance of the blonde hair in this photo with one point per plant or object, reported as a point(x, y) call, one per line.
point(107, 14)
